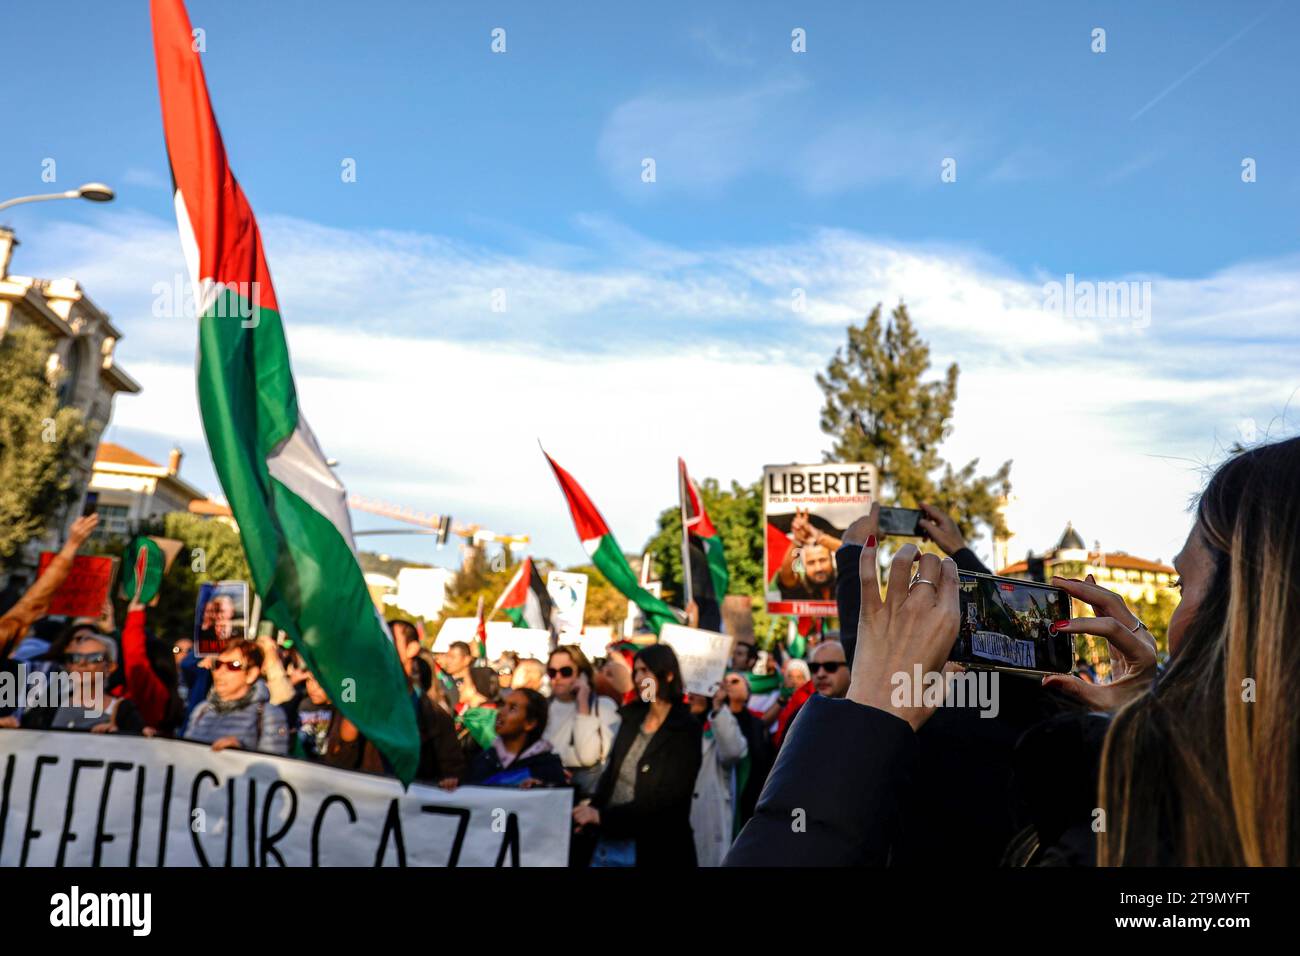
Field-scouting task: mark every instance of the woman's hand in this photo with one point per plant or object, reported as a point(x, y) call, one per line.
point(226, 743)
point(105, 728)
point(586, 815)
point(448, 783)
point(915, 624)
point(1132, 647)
point(10, 722)
point(941, 529)
point(582, 694)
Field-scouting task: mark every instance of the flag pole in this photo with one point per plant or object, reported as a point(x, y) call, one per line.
point(688, 586)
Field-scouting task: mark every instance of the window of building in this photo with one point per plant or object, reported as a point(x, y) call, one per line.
point(112, 521)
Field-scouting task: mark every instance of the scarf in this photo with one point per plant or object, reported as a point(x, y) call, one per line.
point(223, 707)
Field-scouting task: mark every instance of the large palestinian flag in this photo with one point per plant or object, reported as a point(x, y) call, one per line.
point(701, 531)
point(605, 553)
point(291, 509)
point(525, 600)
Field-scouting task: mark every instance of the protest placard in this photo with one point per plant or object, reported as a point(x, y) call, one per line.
point(221, 613)
point(114, 800)
point(806, 510)
point(702, 655)
point(465, 629)
point(524, 641)
point(86, 589)
point(568, 590)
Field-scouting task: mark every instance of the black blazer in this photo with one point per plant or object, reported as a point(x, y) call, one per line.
point(874, 792)
point(659, 816)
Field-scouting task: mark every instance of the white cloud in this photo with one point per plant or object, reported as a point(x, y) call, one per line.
point(640, 351)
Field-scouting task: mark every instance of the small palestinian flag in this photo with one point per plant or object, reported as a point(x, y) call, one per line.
point(525, 600)
point(605, 553)
point(701, 529)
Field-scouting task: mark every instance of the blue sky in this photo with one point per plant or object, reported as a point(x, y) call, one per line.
point(775, 170)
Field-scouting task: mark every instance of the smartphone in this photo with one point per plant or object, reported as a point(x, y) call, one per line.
point(1006, 624)
point(902, 522)
point(91, 505)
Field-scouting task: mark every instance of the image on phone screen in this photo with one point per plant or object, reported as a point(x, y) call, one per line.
point(1006, 624)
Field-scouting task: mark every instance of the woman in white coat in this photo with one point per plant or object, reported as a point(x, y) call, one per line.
point(725, 749)
point(581, 725)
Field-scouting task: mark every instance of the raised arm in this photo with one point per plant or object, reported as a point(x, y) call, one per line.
point(34, 604)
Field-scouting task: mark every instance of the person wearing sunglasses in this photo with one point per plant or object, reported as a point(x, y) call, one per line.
point(830, 669)
point(89, 658)
point(238, 711)
point(580, 725)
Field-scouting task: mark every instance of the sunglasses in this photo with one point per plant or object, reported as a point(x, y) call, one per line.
point(554, 672)
point(233, 665)
point(831, 667)
point(94, 657)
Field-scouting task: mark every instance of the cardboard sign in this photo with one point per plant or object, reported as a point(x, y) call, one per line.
point(113, 800)
point(221, 613)
point(593, 640)
point(806, 510)
point(702, 655)
point(87, 587)
point(525, 641)
point(568, 591)
point(466, 629)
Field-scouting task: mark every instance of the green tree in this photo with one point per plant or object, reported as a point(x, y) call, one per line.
point(38, 440)
point(737, 513)
point(478, 577)
point(881, 409)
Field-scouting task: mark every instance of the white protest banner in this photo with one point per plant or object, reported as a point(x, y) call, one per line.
point(568, 591)
point(81, 799)
point(806, 510)
point(595, 639)
point(466, 629)
point(524, 641)
point(702, 655)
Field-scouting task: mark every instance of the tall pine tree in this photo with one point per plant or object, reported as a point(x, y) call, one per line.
point(881, 409)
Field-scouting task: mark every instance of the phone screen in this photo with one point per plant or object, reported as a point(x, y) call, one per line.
point(903, 522)
point(92, 503)
point(1006, 624)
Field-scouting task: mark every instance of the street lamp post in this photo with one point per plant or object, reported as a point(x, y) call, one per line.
point(94, 192)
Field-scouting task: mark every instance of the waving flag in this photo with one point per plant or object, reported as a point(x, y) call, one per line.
point(291, 509)
point(697, 524)
point(525, 600)
point(605, 553)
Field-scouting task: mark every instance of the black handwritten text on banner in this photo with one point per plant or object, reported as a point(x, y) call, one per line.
point(80, 799)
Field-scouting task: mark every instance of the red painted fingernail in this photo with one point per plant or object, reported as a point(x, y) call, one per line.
point(1057, 625)
point(871, 541)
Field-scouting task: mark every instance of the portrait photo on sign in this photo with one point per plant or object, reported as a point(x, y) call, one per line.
point(806, 510)
point(220, 614)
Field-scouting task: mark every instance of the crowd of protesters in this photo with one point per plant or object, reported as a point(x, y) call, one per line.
point(811, 760)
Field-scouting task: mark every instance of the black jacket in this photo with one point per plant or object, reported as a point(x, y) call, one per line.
point(544, 767)
point(946, 794)
point(835, 796)
point(659, 816)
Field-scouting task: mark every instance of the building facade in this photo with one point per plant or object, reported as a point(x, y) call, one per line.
point(132, 489)
point(83, 340)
